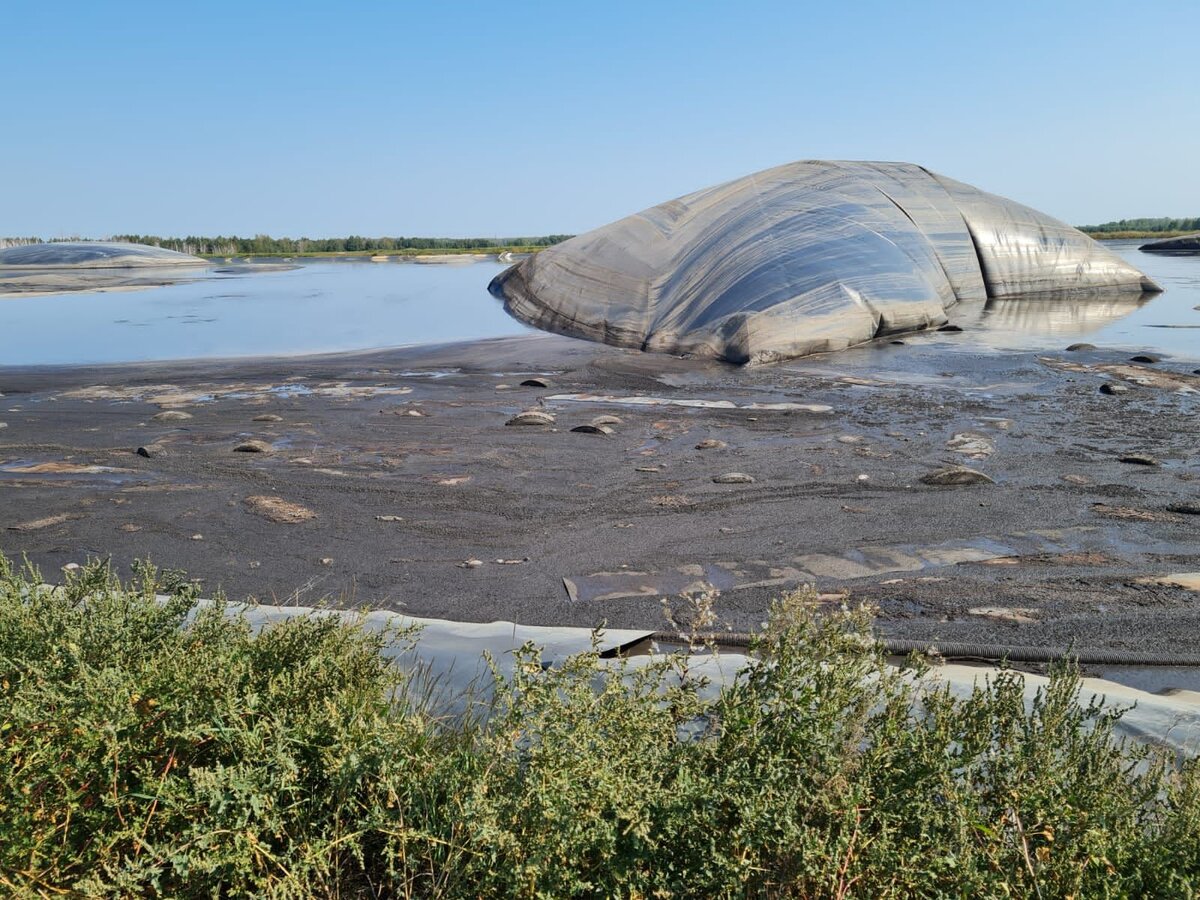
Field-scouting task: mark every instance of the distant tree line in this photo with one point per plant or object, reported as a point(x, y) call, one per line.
point(265, 245)
point(1150, 225)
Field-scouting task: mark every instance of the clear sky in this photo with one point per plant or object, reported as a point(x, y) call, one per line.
point(458, 118)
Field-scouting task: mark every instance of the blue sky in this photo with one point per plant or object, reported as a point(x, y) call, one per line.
point(528, 118)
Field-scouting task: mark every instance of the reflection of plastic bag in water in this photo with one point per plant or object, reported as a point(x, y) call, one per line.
point(806, 257)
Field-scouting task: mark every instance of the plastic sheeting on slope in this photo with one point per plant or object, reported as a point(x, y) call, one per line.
point(92, 255)
point(450, 655)
point(807, 257)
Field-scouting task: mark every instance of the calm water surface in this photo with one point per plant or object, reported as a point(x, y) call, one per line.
point(330, 306)
point(314, 308)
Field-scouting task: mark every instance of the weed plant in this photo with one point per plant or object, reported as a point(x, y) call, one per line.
point(158, 748)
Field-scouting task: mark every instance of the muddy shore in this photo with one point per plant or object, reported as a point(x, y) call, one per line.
point(390, 479)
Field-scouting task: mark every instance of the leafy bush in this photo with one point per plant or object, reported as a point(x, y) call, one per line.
point(167, 749)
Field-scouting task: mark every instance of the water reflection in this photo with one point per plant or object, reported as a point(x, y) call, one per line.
point(1057, 316)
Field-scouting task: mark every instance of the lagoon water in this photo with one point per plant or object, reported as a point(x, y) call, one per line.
point(320, 307)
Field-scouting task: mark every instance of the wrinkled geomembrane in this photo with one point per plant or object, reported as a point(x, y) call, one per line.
point(807, 257)
point(92, 255)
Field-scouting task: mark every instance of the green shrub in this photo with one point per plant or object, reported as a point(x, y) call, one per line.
point(168, 749)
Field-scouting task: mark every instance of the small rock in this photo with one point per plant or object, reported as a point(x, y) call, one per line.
point(897, 343)
point(951, 329)
point(952, 476)
point(535, 383)
point(606, 420)
point(197, 537)
point(415, 413)
point(327, 560)
point(71, 567)
point(863, 477)
point(152, 451)
point(268, 417)
point(1149, 358)
point(849, 439)
point(129, 527)
point(470, 564)
point(733, 478)
point(3, 425)
point(646, 469)
point(1138, 459)
point(389, 518)
point(254, 447)
point(972, 444)
point(255, 564)
point(276, 509)
point(1077, 348)
point(711, 444)
point(1113, 388)
point(531, 417)
point(592, 429)
point(1077, 479)
point(171, 415)
point(1187, 508)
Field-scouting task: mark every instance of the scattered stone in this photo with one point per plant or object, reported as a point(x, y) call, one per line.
point(863, 477)
point(327, 560)
point(952, 329)
point(1113, 388)
point(606, 420)
point(971, 444)
point(1080, 347)
point(197, 537)
point(1015, 614)
point(470, 564)
point(255, 564)
point(45, 522)
point(531, 417)
point(849, 439)
point(1149, 358)
point(513, 562)
point(711, 444)
point(389, 518)
point(416, 413)
point(1187, 580)
point(171, 415)
point(152, 451)
point(276, 509)
point(897, 343)
point(1132, 514)
point(1139, 459)
point(254, 447)
point(647, 469)
point(535, 383)
point(952, 476)
point(3, 425)
point(733, 478)
point(129, 527)
point(592, 429)
point(454, 480)
point(1187, 508)
point(268, 417)
point(71, 567)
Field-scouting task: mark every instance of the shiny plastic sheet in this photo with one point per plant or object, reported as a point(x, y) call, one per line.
point(806, 257)
point(91, 255)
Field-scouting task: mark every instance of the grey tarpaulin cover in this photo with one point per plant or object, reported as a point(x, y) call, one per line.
point(802, 258)
point(92, 255)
